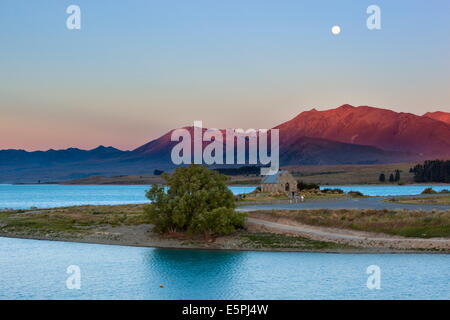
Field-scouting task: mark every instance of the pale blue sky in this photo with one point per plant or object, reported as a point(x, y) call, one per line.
point(139, 68)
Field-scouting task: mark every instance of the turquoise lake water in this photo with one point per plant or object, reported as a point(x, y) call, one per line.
point(389, 190)
point(32, 269)
point(48, 196)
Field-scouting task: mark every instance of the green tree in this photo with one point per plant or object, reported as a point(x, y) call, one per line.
point(382, 177)
point(196, 200)
point(391, 178)
point(397, 175)
point(432, 171)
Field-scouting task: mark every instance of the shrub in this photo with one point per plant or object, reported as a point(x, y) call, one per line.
point(197, 201)
point(429, 191)
point(329, 190)
point(307, 186)
point(356, 194)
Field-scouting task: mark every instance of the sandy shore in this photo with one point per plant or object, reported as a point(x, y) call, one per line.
point(142, 236)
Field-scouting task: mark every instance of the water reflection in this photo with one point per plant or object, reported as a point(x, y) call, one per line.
point(31, 269)
point(206, 274)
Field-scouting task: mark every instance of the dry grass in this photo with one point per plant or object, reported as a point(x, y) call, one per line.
point(263, 197)
point(323, 175)
point(258, 196)
point(149, 179)
point(267, 240)
point(350, 174)
point(422, 224)
point(439, 200)
point(71, 219)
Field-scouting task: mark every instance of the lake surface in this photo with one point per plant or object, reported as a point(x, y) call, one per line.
point(50, 196)
point(32, 269)
point(389, 190)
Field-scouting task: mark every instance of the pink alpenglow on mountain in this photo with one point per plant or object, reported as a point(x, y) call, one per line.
point(439, 115)
point(345, 135)
point(369, 126)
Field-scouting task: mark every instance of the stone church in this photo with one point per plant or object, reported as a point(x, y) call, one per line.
point(280, 182)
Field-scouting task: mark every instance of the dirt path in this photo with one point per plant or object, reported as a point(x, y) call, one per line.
point(350, 237)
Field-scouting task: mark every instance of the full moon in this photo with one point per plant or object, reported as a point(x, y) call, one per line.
point(336, 29)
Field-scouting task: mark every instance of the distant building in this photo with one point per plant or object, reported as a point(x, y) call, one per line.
point(282, 181)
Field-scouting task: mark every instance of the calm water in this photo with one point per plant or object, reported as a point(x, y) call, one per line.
point(390, 190)
point(49, 196)
point(31, 269)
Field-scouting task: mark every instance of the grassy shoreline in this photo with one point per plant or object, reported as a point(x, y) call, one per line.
point(404, 223)
point(441, 199)
point(126, 225)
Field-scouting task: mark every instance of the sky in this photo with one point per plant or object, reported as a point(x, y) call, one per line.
point(139, 68)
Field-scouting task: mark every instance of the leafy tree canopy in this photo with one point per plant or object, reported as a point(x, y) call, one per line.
point(196, 200)
point(432, 171)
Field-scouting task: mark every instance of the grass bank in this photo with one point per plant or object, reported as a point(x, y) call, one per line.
point(417, 224)
point(127, 225)
point(436, 200)
point(266, 240)
point(77, 219)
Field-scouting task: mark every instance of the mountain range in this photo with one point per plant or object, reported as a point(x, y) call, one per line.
point(344, 135)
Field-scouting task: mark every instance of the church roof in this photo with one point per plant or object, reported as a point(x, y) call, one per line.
point(272, 178)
